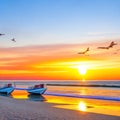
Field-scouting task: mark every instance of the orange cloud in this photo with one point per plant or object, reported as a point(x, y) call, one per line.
point(58, 62)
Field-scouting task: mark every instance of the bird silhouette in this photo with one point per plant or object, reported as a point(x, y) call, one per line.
point(13, 40)
point(1, 34)
point(84, 51)
point(109, 46)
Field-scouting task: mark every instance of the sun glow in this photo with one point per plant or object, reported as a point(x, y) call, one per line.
point(82, 106)
point(82, 69)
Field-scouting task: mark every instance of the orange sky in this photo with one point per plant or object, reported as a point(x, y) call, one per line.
point(60, 62)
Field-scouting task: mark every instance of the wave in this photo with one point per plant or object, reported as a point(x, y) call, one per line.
point(74, 85)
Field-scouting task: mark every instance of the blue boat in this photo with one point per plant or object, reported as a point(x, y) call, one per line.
point(7, 89)
point(37, 89)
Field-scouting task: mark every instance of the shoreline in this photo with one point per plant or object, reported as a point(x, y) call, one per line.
point(14, 109)
point(75, 83)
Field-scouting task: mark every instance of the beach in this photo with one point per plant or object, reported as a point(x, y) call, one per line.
point(17, 109)
point(61, 103)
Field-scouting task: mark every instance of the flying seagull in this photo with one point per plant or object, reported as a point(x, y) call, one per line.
point(13, 40)
point(1, 34)
point(84, 51)
point(110, 46)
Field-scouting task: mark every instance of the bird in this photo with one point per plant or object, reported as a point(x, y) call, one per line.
point(84, 51)
point(13, 40)
point(110, 46)
point(1, 34)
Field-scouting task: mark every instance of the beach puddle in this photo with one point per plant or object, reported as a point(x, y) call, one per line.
point(19, 94)
point(24, 95)
point(82, 106)
point(115, 111)
point(86, 105)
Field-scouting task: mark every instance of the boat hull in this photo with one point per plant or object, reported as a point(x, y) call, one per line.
point(7, 90)
point(38, 91)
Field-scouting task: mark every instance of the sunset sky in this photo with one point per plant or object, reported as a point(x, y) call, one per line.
point(50, 33)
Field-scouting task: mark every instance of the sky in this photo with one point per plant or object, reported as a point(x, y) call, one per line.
point(50, 33)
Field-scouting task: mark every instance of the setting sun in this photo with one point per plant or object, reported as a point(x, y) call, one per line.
point(82, 69)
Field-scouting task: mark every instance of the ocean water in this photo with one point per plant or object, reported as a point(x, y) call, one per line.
point(74, 87)
point(65, 82)
point(102, 89)
point(58, 93)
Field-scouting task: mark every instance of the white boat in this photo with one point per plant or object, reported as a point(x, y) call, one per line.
point(37, 89)
point(7, 89)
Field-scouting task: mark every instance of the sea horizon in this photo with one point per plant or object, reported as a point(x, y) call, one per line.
point(74, 82)
point(99, 88)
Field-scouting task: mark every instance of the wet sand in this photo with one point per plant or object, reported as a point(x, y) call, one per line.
point(16, 109)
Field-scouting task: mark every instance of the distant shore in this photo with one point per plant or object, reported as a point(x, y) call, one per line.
point(13, 109)
point(115, 86)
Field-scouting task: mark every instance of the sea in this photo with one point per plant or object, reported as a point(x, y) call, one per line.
point(102, 97)
point(104, 88)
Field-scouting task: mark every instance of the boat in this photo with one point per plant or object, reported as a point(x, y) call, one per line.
point(7, 89)
point(37, 89)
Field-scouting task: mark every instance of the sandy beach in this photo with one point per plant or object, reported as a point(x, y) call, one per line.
point(15, 109)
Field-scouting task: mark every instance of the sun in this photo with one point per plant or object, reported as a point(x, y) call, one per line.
point(82, 69)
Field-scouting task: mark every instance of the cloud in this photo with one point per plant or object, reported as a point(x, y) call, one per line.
point(56, 58)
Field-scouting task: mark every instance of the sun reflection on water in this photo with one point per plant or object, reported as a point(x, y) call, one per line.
point(18, 94)
point(82, 106)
